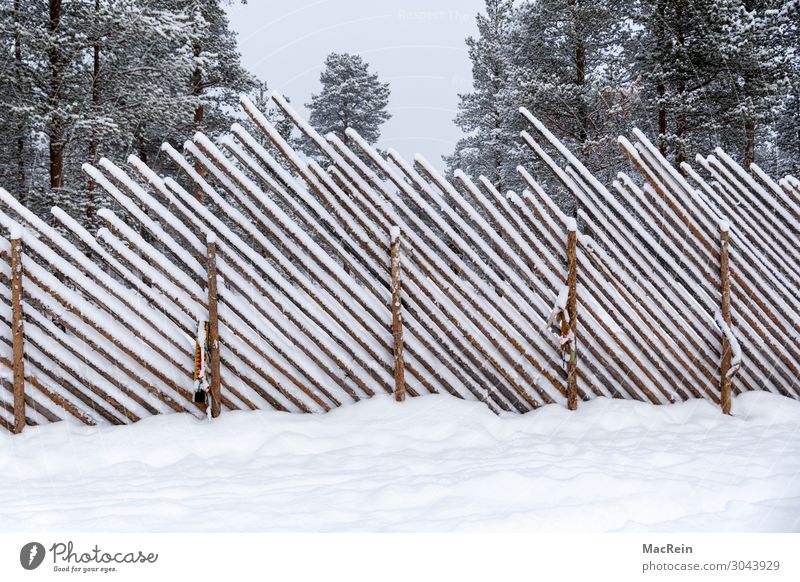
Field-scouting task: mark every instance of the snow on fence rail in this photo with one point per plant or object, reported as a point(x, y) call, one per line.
point(366, 273)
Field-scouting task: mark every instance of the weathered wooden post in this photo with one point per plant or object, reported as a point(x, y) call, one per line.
point(725, 364)
point(213, 326)
point(572, 313)
point(397, 318)
point(17, 332)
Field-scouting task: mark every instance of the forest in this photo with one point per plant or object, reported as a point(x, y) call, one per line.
point(81, 79)
point(692, 74)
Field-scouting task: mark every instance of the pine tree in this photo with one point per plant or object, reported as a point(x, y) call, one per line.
point(757, 77)
point(482, 114)
point(16, 99)
point(568, 62)
point(351, 97)
point(64, 80)
point(570, 65)
point(787, 123)
point(90, 78)
point(689, 50)
point(134, 103)
point(217, 77)
point(110, 70)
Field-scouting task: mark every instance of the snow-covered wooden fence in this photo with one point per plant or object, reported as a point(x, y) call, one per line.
point(656, 248)
point(353, 273)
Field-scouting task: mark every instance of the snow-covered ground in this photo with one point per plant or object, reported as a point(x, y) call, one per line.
point(432, 463)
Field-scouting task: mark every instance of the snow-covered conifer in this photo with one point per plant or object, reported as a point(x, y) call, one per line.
point(351, 97)
point(482, 114)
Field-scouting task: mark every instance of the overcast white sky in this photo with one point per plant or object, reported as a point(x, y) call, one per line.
point(416, 45)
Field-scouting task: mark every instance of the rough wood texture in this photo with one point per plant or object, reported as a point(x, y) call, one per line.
point(17, 335)
point(725, 281)
point(572, 312)
point(213, 329)
point(309, 293)
point(397, 322)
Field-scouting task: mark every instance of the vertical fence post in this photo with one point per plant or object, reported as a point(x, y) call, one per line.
point(213, 326)
point(572, 312)
point(17, 332)
point(725, 364)
point(397, 318)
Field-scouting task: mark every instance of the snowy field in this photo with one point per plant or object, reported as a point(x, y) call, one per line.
point(429, 464)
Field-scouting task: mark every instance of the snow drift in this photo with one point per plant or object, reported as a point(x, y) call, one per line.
point(429, 464)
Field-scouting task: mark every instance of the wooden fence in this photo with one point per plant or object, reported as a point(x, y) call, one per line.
point(332, 278)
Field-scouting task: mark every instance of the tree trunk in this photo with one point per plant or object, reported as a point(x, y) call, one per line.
point(91, 203)
point(346, 125)
point(580, 81)
point(199, 113)
point(749, 144)
point(661, 88)
point(580, 72)
point(680, 132)
point(749, 154)
point(95, 86)
point(56, 151)
point(197, 86)
point(496, 153)
point(497, 114)
point(680, 116)
point(55, 132)
point(21, 178)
